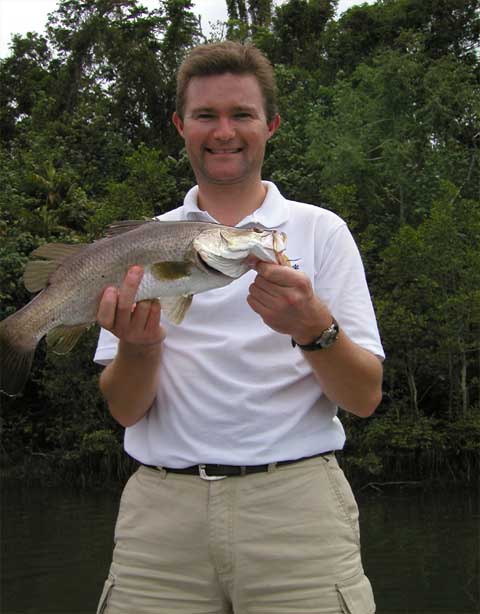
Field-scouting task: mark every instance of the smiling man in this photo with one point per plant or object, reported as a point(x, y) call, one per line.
point(225, 129)
point(239, 505)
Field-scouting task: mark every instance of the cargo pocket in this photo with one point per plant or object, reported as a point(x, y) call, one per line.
point(105, 596)
point(356, 595)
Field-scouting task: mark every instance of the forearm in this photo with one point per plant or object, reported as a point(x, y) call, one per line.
point(349, 375)
point(129, 383)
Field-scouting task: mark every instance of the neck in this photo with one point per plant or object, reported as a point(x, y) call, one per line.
point(230, 204)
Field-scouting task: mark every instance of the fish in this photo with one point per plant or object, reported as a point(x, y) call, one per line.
point(179, 258)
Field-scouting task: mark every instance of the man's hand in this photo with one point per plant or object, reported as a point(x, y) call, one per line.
point(129, 383)
point(349, 375)
point(133, 323)
point(285, 300)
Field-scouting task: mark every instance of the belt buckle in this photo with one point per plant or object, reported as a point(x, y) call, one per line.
point(209, 478)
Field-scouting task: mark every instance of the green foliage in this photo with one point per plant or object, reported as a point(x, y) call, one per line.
point(380, 113)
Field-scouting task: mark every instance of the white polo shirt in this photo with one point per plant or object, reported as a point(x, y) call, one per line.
point(233, 391)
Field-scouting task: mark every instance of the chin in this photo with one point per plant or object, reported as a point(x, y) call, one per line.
point(223, 179)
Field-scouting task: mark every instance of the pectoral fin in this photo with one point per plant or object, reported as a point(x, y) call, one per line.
point(62, 339)
point(170, 270)
point(175, 307)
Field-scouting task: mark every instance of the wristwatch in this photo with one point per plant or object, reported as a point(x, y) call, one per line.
point(325, 340)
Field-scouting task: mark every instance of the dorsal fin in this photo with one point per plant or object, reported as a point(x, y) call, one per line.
point(37, 272)
point(57, 251)
point(118, 228)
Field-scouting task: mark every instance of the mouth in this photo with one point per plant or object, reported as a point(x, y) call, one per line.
point(223, 152)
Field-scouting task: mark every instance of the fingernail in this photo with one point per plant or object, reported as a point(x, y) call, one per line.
point(135, 272)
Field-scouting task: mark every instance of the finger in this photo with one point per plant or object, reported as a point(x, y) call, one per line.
point(264, 293)
point(126, 297)
point(260, 308)
point(261, 284)
point(129, 287)
point(285, 280)
point(107, 308)
point(139, 317)
point(277, 274)
point(252, 261)
point(153, 330)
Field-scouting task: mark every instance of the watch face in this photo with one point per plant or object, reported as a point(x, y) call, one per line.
point(329, 336)
point(326, 339)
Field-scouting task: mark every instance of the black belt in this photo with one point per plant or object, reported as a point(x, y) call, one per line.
point(218, 472)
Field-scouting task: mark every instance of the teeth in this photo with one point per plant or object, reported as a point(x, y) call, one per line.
point(223, 151)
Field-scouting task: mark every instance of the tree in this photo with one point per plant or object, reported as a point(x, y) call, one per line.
point(26, 81)
point(298, 27)
point(430, 310)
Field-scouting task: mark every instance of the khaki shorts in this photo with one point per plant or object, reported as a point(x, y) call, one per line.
point(281, 542)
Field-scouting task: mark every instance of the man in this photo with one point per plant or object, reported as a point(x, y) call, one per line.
point(226, 394)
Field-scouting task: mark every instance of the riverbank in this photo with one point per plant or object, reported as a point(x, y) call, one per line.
point(373, 472)
point(81, 444)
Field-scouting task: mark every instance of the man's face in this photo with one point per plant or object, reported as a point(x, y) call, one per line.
point(225, 128)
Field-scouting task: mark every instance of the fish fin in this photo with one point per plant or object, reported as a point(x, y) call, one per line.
point(62, 339)
point(120, 227)
point(36, 274)
point(170, 270)
point(15, 361)
point(283, 259)
point(58, 251)
point(175, 307)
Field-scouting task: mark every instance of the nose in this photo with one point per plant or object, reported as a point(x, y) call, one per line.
point(224, 130)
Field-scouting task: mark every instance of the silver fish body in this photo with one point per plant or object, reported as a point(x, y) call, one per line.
point(180, 259)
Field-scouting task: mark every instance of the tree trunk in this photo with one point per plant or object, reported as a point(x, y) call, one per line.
point(464, 384)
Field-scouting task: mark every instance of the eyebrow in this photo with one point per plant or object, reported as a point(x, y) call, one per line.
point(246, 107)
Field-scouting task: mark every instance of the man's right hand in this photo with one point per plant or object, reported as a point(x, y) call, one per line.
point(129, 383)
point(133, 323)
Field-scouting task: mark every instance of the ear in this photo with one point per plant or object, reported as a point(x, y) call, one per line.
point(177, 120)
point(274, 125)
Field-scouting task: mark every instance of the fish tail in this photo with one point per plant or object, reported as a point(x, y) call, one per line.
point(16, 356)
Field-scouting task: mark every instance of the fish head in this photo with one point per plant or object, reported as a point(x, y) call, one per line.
point(232, 251)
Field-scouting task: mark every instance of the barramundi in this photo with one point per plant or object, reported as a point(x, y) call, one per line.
point(180, 259)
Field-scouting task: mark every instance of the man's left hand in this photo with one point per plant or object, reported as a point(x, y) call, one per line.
point(285, 300)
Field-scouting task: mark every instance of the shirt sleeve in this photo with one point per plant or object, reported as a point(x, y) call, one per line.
point(106, 348)
point(341, 283)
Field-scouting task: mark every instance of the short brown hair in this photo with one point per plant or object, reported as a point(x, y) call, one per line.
point(228, 57)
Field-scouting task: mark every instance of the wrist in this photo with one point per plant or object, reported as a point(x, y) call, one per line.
point(319, 340)
point(140, 350)
point(312, 324)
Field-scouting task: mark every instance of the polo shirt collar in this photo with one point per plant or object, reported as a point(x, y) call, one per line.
point(272, 213)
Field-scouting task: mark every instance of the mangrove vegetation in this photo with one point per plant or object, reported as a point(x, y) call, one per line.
point(381, 124)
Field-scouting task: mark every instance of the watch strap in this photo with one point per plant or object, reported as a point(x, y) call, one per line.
point(324, 340)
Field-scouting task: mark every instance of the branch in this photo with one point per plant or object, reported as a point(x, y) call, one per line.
point(377, 485)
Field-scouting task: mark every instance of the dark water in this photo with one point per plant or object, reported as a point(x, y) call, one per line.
point(421, 551)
